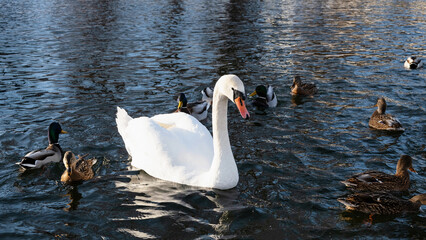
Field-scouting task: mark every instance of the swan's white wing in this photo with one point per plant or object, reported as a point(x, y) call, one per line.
point(172, 147)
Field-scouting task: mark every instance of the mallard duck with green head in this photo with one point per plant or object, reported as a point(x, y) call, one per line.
point(266, 97)
point(198, 110)
point(304, 89)
point(379, 181)
point(77, 169)
point(53, 152)
point(382, 121)
point(382, 203)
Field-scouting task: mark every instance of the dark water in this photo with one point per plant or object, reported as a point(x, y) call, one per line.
point(75, 61)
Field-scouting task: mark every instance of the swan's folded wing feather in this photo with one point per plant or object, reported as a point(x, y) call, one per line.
point(167, 145)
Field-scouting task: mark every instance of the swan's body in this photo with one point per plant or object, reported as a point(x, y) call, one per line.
point(77, 169)
point(178, 148)
point(266, 97)
point(413, 63)
point(382, 121)
point(53, 152)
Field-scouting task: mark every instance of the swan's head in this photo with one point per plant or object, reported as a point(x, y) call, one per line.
point(182, 101)
point(69, 158)
point(232, 87)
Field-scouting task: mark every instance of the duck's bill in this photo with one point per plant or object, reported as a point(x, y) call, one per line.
point(412, 169)
point(253, 93)
point(63, 132)
point(242, 107)
point(180, 104)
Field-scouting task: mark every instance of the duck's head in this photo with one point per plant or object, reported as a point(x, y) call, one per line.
point(233, 88)
point(182, 101)
point(381, 105)
point(411, 60)
point(54, 131)
point(419, 198)
point(260, 90)
point(405, 163)
point(68, 159)
point(297, 81)
point(207, 93)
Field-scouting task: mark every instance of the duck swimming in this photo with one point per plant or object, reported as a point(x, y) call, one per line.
point(53, 152)
point(198, 110)
point(382, 121)
point(378, 181)
point(382, 203)
point(176, 147)
point(207, 95)
point(413, 63)
point(305, 89)
point(77, 169)
point(266, 97)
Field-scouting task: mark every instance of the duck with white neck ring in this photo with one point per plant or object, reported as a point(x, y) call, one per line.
point(178, 148)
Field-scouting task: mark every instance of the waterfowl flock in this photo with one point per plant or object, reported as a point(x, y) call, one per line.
point(163, 146)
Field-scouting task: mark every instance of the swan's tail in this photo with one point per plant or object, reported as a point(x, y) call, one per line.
point(122, 121)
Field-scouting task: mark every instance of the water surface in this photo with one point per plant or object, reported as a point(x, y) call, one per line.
point(75, 61)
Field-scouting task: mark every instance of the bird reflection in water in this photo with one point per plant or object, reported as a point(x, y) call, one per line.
point(75, 197)
point(297, 100)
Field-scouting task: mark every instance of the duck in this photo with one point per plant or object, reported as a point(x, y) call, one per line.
point(305, 89)
point(413, 63)
point(382, 121)
point(382, 203)
point(176, 147)
point(207, 95)
point(77, 170)
point(53, 152)
point(379, 181)
point(266, 97)
point(198, 110)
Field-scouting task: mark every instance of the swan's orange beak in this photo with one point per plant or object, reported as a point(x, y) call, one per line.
point(242, 107)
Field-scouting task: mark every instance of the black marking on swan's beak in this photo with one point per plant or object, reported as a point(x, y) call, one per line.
point(239, 98)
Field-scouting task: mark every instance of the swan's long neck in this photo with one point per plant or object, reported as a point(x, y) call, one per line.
point(224, 170)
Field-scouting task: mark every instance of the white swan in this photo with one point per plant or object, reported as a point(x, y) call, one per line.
point(178, 148)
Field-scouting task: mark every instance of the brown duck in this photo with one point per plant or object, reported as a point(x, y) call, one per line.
point(299, 88)
point(378, 181)
point(77, 169)
point(382, 121)
point(382, 203)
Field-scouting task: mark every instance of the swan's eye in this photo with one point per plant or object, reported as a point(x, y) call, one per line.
point(238, 94)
